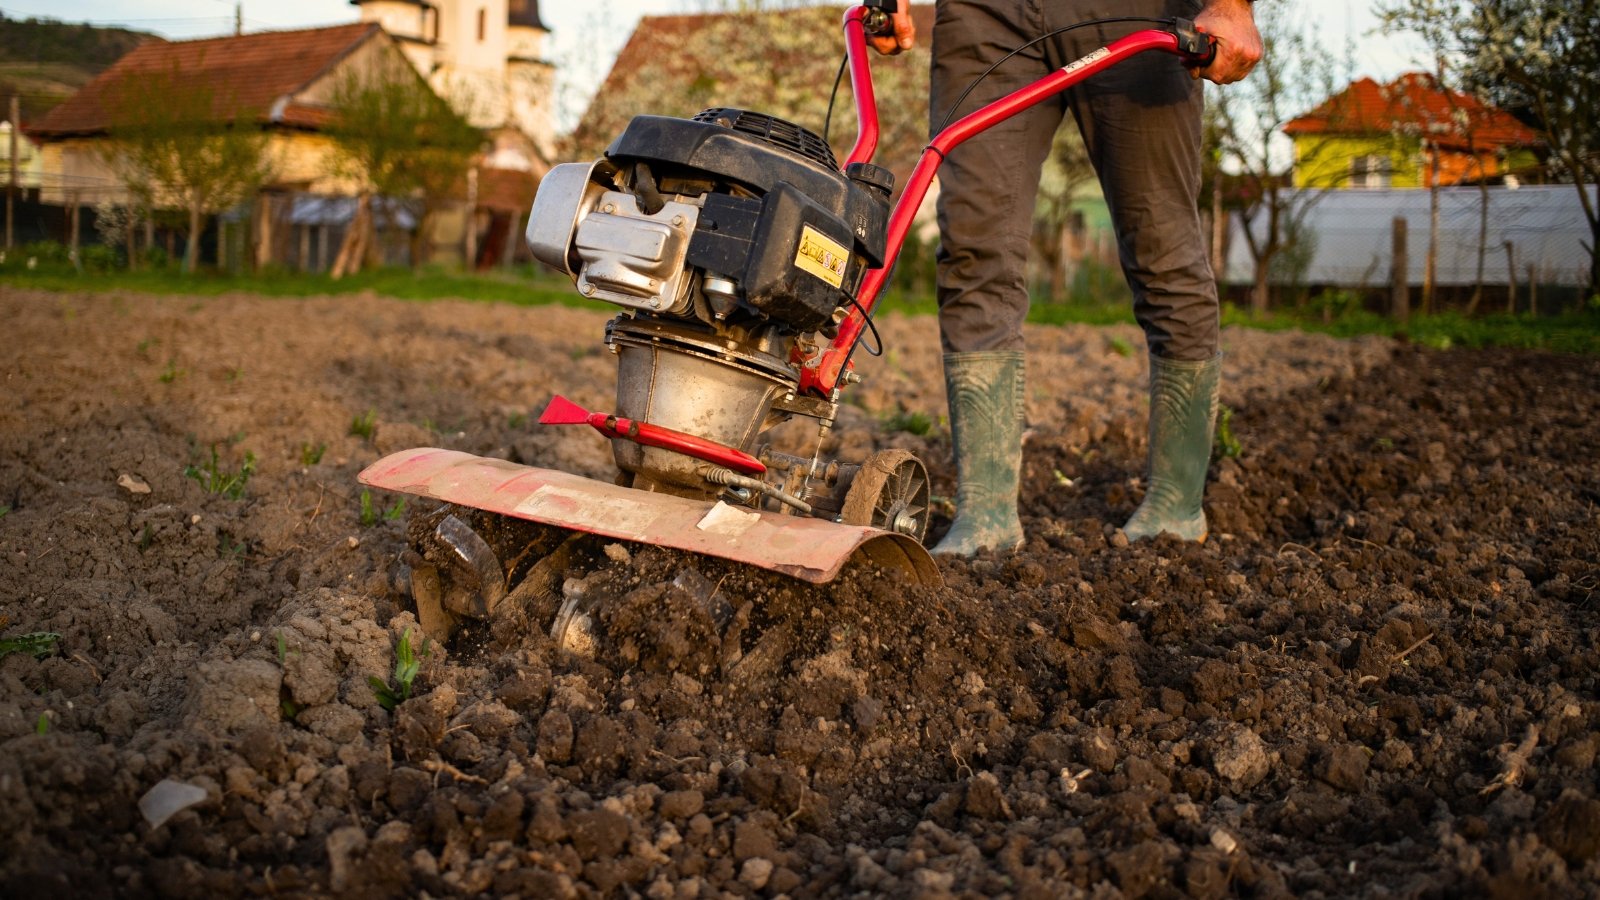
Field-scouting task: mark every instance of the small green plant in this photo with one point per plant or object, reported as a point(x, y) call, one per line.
point(407, 662)
point(1228, 445)
point(38, 644)
point(235, 373)
point(311, 454)
point(517, 421)
point(363, 425)
point(42, 726)
point(370, 514)
point(171, 373)
point(144, 347)
point(917, 423)
point(283, 649)
point(1119, 346)
point(3, 511)
point(218, 480)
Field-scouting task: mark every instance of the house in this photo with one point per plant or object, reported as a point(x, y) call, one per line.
point(281, 81)
point(1410, 132)
point(29, 166)
point(677, 65)
point(487, 58)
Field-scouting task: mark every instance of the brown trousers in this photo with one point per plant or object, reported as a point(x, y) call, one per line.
point(1140, 121)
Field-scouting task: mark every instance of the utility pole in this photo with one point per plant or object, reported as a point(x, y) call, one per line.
point(238, 18)
point(11, 182)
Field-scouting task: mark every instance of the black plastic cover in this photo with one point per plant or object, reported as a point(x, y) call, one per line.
point(758, 167)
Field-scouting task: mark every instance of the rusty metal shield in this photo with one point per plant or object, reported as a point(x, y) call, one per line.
point(806, 548)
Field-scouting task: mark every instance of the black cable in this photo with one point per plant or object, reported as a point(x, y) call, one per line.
point(838, 78)
point(1043, 37)
point(876, 338)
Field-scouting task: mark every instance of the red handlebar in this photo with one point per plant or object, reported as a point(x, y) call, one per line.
point(821, 372)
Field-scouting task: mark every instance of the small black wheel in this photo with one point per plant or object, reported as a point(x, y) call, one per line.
point(889, 492)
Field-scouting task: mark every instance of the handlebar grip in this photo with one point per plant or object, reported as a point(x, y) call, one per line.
point(1198, 48)
point(877, 22)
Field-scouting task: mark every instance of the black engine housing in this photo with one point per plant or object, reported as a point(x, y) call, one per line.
point(779, 214)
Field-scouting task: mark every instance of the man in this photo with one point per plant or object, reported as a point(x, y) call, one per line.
point(1140, 122)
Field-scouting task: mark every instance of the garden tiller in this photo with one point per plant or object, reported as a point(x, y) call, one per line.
point(747, 263)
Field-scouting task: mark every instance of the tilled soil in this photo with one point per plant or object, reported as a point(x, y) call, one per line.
point(1377, 678)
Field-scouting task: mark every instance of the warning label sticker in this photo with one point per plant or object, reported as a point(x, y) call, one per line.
point(821, 256)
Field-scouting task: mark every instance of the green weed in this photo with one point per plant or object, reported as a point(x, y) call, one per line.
point(143, 349)
point(1119, 346)
point(38, 644)
point(371, 515)
point(3, 511)
point(42, 726)
point(363, 425)
point(311, 454)
point(407, 662)
point(1228, 445)
point(218, 480)
point(917, 423)
point(171, 373)
point(517, 421)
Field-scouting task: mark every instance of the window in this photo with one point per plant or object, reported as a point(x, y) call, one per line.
point(1371, 171)
point(483, 21)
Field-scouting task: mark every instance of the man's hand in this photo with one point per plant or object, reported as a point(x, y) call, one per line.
point(1233, 24)
point(905, 33)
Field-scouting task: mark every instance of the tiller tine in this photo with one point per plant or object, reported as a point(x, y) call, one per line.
point(562, 411)
point(806, 548)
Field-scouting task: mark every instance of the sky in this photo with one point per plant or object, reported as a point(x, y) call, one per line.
point(586, 36)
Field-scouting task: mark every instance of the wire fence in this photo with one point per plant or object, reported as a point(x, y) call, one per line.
point(1500, 239)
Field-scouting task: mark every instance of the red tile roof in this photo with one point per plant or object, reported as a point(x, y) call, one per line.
point(250, 73)
point(1414, 101)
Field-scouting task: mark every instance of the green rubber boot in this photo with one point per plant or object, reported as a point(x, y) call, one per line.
point(1183, 414)
point(986, 409)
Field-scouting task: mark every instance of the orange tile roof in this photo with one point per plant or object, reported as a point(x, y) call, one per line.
point(1415, 101)
point(249, 72)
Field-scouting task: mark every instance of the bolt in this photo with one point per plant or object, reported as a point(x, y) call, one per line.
point(609, 207)
point(851, 377)
point(905, 524)
point(588, 289)
point(655, 304)
point(677, 220)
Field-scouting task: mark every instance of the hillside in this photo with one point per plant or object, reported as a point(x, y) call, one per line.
point(44, 61)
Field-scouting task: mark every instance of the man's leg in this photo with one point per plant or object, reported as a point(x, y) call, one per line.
point(1141, 122)
point(985, 208)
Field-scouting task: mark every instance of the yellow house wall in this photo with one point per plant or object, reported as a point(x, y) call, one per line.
point(1324, 161)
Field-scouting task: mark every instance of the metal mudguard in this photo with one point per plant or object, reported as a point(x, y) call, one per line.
point(807, 548)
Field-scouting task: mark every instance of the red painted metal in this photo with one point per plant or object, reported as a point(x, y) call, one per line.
point(855, 42)
point(820, 374)
point(811, 549)
point(562, 411)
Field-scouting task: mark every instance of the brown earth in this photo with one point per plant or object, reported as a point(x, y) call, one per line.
point(1378, 678)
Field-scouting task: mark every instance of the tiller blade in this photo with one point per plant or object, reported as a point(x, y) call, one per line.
point(807, 548)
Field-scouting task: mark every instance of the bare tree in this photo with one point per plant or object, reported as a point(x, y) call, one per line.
point(1066, 170)
point(177, 142)
point(402, 142)
point(1294, 74)
point(1538, 60)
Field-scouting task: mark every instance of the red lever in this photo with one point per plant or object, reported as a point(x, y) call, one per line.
point(562, 411)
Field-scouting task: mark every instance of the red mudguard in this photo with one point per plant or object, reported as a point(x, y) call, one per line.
point(810, 549)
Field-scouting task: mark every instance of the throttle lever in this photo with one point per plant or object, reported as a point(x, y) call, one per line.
point(1198, 48)
point(877, 21)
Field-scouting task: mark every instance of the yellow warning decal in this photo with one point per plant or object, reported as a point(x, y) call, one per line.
point(821, 256)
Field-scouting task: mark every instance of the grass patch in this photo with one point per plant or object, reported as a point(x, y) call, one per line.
point(216, 479)
point(38, 644)
point(917, 423)
point(311, 454)
point(525, 286)
point(407, 662)
point(371, 515)
point(363, 425)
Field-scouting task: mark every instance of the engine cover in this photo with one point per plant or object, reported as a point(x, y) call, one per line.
point(794, 233)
